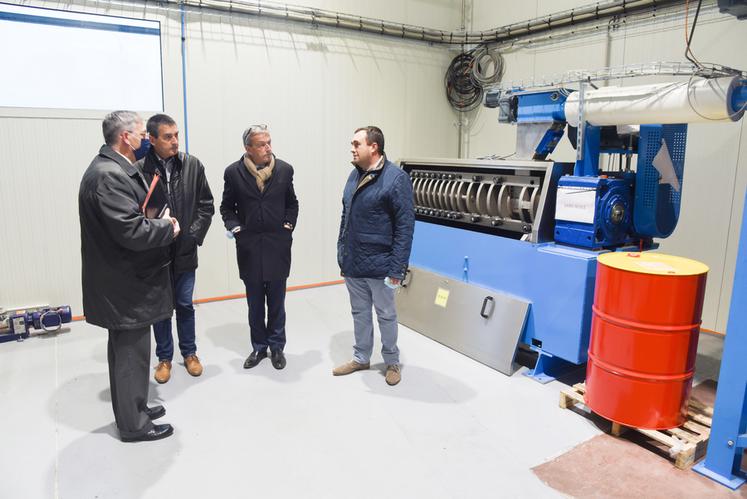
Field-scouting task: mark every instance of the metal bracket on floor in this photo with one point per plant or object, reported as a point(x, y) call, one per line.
point(549, 368)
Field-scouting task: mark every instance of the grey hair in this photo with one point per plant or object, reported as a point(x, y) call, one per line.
point(116, 122)
point(252, 131)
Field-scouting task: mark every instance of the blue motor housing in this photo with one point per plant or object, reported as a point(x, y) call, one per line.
point(594, 212)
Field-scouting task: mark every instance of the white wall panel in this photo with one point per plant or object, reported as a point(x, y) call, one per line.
point(312, 86)
point(42, 161)
point(486, 14)
point(736, 216)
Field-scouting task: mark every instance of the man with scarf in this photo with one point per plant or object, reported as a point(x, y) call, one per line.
point(373, 248)
point(183, 185)
point(259, 209)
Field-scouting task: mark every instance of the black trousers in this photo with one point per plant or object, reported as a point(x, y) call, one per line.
point(271, 334)
point(129, 355)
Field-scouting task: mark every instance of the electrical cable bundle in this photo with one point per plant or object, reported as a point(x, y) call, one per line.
point(485, 60)
point(462, 92)
point(468, 73)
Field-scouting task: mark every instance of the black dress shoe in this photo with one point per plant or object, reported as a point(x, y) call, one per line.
point(158, 432)
point(278, 359)
point(254, 359)
point(155, 412)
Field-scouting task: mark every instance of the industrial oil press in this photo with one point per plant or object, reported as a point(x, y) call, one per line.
point(505, 251)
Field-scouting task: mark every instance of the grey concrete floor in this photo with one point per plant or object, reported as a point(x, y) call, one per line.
point(453, 428)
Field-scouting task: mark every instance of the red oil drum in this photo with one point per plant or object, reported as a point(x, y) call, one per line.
point(644, 337)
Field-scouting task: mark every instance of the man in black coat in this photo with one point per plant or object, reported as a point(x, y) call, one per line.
point(126, 283)
point(260, 209)
point(183, 185)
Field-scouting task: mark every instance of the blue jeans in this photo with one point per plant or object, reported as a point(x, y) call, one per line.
point(184, 286)
point(366, 293)
point(272, 334)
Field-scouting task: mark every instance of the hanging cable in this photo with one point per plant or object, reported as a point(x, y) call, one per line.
point(488, 65)
point(462, 91)
point(689, 38)
point(468, 75)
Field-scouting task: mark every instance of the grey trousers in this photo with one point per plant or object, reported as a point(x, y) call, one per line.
point(128, 355)
point(365, 293)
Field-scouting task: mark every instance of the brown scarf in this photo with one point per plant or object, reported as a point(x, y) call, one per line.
point(262, 175)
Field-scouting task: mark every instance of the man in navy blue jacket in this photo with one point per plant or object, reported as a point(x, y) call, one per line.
point(373, 248)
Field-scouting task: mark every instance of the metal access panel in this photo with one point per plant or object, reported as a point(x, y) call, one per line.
point(481, 323)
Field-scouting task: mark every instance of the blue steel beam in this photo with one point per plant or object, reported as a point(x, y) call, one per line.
point(727, 440)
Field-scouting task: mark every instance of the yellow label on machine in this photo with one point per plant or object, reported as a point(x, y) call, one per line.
point(442, 297)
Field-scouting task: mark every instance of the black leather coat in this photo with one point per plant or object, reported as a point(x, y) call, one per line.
point(190, 202)
point(126, 281)
point(263, 246)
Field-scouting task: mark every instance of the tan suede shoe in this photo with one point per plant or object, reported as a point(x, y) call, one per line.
point(192, 363)
point(163, 371)
point(349, 367)
point(393, 374)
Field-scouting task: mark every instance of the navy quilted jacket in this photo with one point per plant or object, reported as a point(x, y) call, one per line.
point(378, 219)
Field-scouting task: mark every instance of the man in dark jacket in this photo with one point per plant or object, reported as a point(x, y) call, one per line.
point(260, 209)
point(182, 182)
point(373, 248)
point(126, 285)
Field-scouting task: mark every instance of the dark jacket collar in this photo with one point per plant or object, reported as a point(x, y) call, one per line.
point(151, 162)
point(110, 153)
point(130, 169)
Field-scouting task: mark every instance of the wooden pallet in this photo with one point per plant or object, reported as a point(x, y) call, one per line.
point(682, 443)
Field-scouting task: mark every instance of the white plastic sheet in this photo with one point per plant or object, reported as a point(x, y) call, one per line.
point(694, 101)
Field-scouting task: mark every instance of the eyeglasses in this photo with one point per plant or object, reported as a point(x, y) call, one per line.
point(257, 128)
point(253, 129)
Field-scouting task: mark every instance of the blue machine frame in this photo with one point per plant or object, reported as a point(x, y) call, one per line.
point(557, 280)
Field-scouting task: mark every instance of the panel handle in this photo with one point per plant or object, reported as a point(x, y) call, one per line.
point(485, 302)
